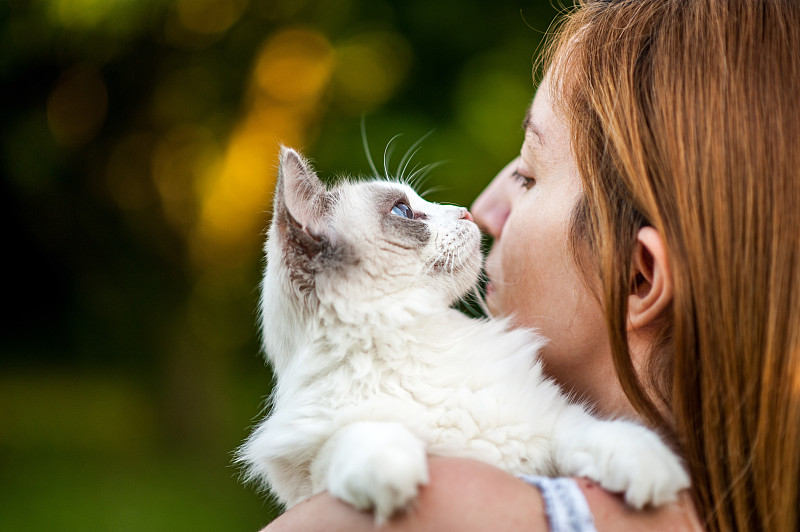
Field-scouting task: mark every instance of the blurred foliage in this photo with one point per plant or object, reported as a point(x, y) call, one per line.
point(139, 142)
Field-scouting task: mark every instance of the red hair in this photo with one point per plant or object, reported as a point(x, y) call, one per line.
point(685, 116)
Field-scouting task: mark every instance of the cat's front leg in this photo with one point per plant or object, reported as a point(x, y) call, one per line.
point(621, 456)
point(373, 465)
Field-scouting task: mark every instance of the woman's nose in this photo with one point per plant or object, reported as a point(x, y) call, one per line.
point(493, 205)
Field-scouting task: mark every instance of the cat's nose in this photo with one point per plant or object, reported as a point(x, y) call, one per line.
point(466, 215)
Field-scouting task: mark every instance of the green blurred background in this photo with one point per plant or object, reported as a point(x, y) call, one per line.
point(139, 142)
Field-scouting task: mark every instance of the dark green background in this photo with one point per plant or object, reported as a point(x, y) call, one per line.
point(138, 155)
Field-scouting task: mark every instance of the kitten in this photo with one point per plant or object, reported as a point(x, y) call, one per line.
point(375, 370)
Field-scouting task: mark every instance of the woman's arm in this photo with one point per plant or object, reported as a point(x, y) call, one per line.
point(611, 513)
point(462, 495)
point(466, 495)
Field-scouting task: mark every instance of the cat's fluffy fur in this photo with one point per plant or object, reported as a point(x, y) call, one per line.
point(375, 370)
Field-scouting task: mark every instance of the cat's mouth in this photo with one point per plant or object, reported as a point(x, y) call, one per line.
point(460, 250)
point(447, 265)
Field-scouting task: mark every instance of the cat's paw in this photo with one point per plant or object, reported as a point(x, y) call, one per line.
point(627, 458)
point(378, 466)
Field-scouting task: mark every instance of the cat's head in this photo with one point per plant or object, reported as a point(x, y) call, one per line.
point(365, 242)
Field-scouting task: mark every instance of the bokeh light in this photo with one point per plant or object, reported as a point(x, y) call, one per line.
point(294, 66)
point(77, 106)
point(209, 16)
point(182, 161)
point(370, 67)
point(291, 74)
point(79, 14)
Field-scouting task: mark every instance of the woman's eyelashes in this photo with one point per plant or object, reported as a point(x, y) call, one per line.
point(526, 182)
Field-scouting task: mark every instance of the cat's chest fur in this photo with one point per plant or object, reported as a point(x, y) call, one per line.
point(465, 386)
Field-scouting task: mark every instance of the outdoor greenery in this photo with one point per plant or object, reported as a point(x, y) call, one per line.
point(139, 142)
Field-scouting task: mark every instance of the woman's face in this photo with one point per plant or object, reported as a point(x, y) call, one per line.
point(532, 275)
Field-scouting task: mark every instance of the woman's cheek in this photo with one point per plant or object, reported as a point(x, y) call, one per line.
point(517, 273)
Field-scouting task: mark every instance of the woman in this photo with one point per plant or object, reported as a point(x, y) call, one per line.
point(651, 229)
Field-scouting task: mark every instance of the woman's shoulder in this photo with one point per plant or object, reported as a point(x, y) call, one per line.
point(468, 495)
point(610, 512)
point(462, 495)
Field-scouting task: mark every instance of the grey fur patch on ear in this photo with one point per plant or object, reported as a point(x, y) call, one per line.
point(299, 206)
point(302, 208)
point(305, 197)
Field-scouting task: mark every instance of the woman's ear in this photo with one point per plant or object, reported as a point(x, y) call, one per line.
point(651, 287)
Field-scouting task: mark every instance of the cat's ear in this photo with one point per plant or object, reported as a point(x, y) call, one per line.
point(304, 195)
point(301, 202)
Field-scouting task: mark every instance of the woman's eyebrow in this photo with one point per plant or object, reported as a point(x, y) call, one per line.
point(529, 125)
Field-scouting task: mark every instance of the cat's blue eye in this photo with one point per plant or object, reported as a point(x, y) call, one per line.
point(401, 209)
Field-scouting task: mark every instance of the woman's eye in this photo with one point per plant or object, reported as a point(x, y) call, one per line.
point(526, 182)
point(401, 209)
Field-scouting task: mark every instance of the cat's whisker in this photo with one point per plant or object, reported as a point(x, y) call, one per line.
point(445, 260)
point(410, 179)
point(432, 190)
point(387, 155)
point(431, 263)
point(483, 278)
point(477, 297)
point(366, 147)
point(402, 168)
point(409, 154)
point(421, 175)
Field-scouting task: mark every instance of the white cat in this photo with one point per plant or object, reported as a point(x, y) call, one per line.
point(375, 370)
